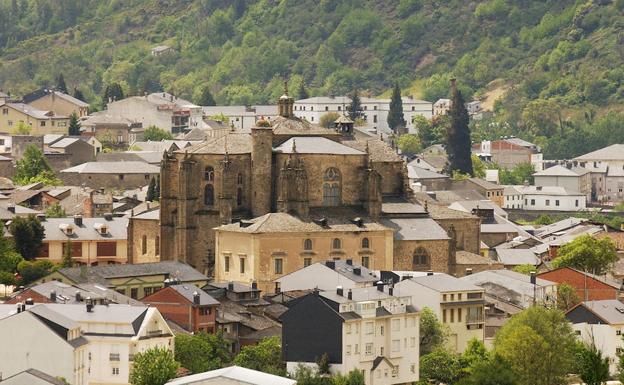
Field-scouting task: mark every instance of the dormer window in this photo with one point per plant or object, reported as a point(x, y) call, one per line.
point(66, 228)
point(101, 228)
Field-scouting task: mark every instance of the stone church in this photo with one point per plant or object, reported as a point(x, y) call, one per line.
point(288, 165)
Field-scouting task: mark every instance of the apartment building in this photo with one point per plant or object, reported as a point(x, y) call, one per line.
point(58, 102)
point(458, 304)
point(367, 329)
point(606, 167)
point(38, 121)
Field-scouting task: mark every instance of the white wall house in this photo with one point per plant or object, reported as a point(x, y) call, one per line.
point(375, 111)
point(550, 198)
point(607, 172)
point(242, 117)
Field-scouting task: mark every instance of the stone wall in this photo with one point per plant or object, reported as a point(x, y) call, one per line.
point(468, 232)
point(107, 181)
point(438, 251)
point(137, 228)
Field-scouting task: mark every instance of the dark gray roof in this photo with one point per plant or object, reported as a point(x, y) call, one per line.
point(32, 377)
point(131, 167)
point(512, 257)
point(55, 229)
point(392, 205)
point(445, 283)
point(415, 172)
point(188, 292)
point(315, 145)
point(415, 228)
point(382, 312)
point(609, 310)
point(172, 269)
point(238, 287)
point(612, 152)
point(66, 293)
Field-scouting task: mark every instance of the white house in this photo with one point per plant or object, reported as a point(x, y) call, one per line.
point(375, 111)
point(83, 343)
point(607, 172)
point(233, 375)
point(573, 179)
point(242, 117)
point(457, 304)
point(327, 276)
point(552, 198)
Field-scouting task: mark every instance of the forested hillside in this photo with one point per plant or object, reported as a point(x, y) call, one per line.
point(558, 64)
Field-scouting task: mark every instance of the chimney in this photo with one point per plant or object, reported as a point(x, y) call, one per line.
point(29, 301)
point(533, 278)
point(350, 295)
point(78, 219)
point(11, 207)
point(53, 296)
point(380, 285)
point(19, 307)
point(429, 272)
point(339, 291)
point(453, 85)
point(89, 305)
point(330, 264)
point(41, 217)
point(357, 271)
point(254, 285)
point(230, 286)
point(468, 271)
point(196, 298)
point(108, 216)
point(23, 307)
point(78, 296)
point(350, 262)
point(390, 290)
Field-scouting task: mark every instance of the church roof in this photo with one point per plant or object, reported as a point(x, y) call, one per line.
point(315, 145)
point(296, 126)
point(234, 143)
point(379, 150)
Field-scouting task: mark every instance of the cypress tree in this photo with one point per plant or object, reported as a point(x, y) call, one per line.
point(206, 98)
point(355, 108)
point(60, 84)
point(157, 188)
point(78, 94)
point(74, 125)
point(396, 119)
point(151, 191)
point(112, 92)
point(458, 147)
point(302, 92)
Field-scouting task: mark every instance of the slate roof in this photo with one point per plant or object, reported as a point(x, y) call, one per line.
point(153, 215)
point(445, 283)
point(296, 126)
point(152, 157)
point(117, 229)
point(378, 150)
point(609, 310)
point(560, 170)
point(66, 293)
point(33, 376)
point(393, 205)
point(612, 152)
point(469, 205)
point(113, 168)
point(549, 190)
point(238, 287)
point(415, 229)
point(103, 117)
point(463, 257)
point(235, 374)
point(233, 143)
point(113, 313)
point(187, 292)
point(315, 145)
point(101, 273)
point(358, 294)
point(514, 257)
point(51, 138)
point(33, 112)
point(415, 172)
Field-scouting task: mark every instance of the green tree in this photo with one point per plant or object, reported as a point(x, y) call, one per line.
point(588, 254)
point(9, 258)
point(620, 368)
point(156, 134)
point(355, 107)
point(34, 167)
point(474, 354)
point(7, 278)
point(155, 366)
point(526, 269)
point(31, 271)
point(478, 166)
point(55, 210)
point(112, 92)
point(566, 297)
point(539, 345)
point(157, 188)
point(424, 130)
point(201, 352)
point(28, 234)
point(593, 367)
point(151, 191)
point(206, 98)
point(328, 119)
point(544, 220)
point(433, 335)
point(491, 371)
point(302, 92)
point(266, 356)
point(322, 363)
point(78, 94)
point(409, 144)
point(440, 366)
point(74, 124)
point(22, 129)
point(458, 145)
point(354, 377)
point(60, 84)
point(396, 120)
point(67, 260)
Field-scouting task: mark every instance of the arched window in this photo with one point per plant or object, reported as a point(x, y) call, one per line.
point(144, 244)
point(365, 243)
point(420, 257)
point(307, 244)
point(240, 179)
point(336, 244)
point(157, 245)
point(209, 174)
point(331, 187)
point(239, 196)
point(209, 195)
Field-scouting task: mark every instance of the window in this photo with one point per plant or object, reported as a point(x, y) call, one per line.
point(444, 316)
point(205, 310)
point(10, 122)
point(366, 262)
point(420, 258)
point(459, 315)
point(547, 202)
point(557, 202)
point(121, 176)
point(307, 262)
point(375, 118)
point(396, 325)
point(396, 345)
point(331, 187)
point(348, 328)
point(106, 249)
point(242, 265)
point(307, 245)
point(338, 108)
point(576, 203)
point(239, 196)
point(368, 349)
point(532, 202)
point(157, 245)
point(348, 350)
point(326, 108)
point(278, 265)
point(365, 243)
point(134, 293)
point(336, 244)
point(452, 315)
point(148, 291)
point(76, 248)
point(5, 111)
point(209, 174)
point(526, 201)
point(115, 371)
point(209, 195)
point(381, 330)
point(239, 178)
point(144, 244)
point(369, 327)
point(226, 264)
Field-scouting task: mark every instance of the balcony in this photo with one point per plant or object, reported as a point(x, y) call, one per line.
point(113, 357)
point(475, 319)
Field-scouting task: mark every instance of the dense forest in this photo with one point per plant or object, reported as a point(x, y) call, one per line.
point(554, 66)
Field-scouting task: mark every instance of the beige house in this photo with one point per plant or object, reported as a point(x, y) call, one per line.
point(57, 101)
point(458, 304)
point(92, 241)
point(40, 122)
point(268, 247)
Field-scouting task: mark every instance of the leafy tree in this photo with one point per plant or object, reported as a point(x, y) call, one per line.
point(474, 354)
point(355, 107)
point(424, 130)
point(156, 134)
point(539, 345)
point(354, 377)
point(524, 269)
point(588, 254)
point(7, 278)
point(219, 117)
point(566, 297)
point(328, 119)
point(31, 271)
point(78, 94)
point(201, 352)
point(206, 98)
point(302, 92)
point(55, 210)
point(266, 357)
point(620, 368)
point(151, 191)
point(544, 220)
point(67, 260)
point(74, 125)
point(518, 175)
point(458, 146)
point(478, 166)
point(593, 367)
point(22, 129)
point(396, 120)
point(112, 92)
point(28, 234)
point(34, 167)
point(60, 84)
point(490, 371)
point(441, 366)
point(323, 364)
point(9, 258)
point(306, 375)
point(155, 366)
point(433, 335)
point(409, 144)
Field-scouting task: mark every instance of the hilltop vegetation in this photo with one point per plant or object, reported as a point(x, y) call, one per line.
point(559, 59)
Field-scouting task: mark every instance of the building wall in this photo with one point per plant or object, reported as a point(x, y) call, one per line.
point(140, 110)
point(137, 229)
point(80, 151)
point(580, 184)
point(175, 307)
point(615, 188)
point(510, 158)
point(89, 252)
point(549, 202)
point(587, 288)
point(119, 181)
point(21, 142)
point(467, 232)
point(438, 251)
point(606, 339)
point(10, 118)
point(60, 106)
